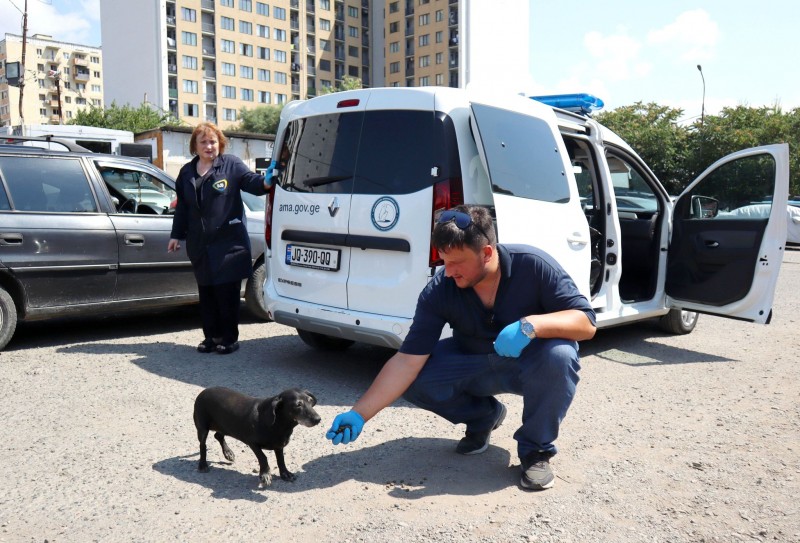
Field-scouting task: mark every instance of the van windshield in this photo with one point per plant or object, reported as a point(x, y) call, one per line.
point(373, 152)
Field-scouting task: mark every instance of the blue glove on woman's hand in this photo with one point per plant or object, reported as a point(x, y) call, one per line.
point(510, 341)
point(346, 428)
point(269, 174)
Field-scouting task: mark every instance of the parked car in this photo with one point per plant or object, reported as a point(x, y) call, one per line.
point(763, 211)
point(361, 175)
point(84, 233)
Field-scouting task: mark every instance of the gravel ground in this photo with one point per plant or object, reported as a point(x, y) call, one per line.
point(670, 439)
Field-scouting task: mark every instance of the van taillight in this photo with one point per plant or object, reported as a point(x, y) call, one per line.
point(348, 103)
point(268, 216)
point(446, 195)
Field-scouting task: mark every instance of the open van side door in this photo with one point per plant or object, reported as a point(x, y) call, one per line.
point(536, 199)
point(729, 234)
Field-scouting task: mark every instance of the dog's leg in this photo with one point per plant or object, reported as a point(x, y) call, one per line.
point(286, 475)
point(226, 451)
point(202, 434)
point(264, 476)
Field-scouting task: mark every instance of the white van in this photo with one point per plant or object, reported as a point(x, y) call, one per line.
point(362, 173)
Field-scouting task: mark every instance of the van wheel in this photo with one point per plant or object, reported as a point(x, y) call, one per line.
point(254, 293)
point(8, 318)
point(678, 321)
point(323, 342)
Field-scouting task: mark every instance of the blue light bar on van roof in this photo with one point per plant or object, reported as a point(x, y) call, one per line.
point(581, 103)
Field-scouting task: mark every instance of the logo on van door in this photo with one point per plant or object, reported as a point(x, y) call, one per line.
point(385, 213)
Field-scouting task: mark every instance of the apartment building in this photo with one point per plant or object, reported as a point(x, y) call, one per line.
point(60, 79)
point(205, 60)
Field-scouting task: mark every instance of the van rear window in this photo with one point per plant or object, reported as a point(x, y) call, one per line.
point(373, 152)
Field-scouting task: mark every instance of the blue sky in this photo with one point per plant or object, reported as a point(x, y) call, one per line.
point(622, 50)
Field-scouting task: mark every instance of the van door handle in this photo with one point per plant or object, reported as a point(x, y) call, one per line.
point(12, 238)
point(712, 244)
point(134, 240)
point(577, 239)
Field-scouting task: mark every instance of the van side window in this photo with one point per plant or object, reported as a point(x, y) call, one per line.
point(522, 155)
point(54, 184)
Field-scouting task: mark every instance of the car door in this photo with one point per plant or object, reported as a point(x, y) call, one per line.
point(55, 240)
point(722, 261)
point(536, 197)
point(143, 221)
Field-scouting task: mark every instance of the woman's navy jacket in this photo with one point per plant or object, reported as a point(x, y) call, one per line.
point(212, 223)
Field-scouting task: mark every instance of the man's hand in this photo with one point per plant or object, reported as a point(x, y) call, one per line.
point(510, 341)
point(173, 245)
point(346, 428)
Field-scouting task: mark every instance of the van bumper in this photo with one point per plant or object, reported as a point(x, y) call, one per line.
point(360, 331)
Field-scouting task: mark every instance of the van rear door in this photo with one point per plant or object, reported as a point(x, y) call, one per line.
point(536, 198)
point(729, 236)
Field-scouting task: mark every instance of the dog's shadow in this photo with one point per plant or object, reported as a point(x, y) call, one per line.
point(407, 468)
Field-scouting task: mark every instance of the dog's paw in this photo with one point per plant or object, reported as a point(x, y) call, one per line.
point(202, 468)
point(229, 456)
point(265, 479)
point(288, 476)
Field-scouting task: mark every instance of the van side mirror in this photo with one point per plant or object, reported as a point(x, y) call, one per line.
point(704, 207)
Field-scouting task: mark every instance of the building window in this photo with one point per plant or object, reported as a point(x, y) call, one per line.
point(394, 7)
point(352, 71)
point(247, 95)
point(439, 15)
point(94, 60)
point(262, 9)
point(279, 13)
point(190, 63)
point(424, 81)
point(190, 110)
point(264, 97)
point(326, 83)
point(263, 53)
point(188, 14)
point(394, 47)
point(245, 49)
point(226, 23)
point(228, 68)
point(324, 24)
point(80, 101)
point(227, 46)
point(352, 11)
point(325, 4)
point(228, 91)
point(96, 102)
point(262, 31)
point(246, 5)
point(394, 68)
point(226, 3)
point(440, 79)
point(43, 112)
point(263, 75)
point(190, 86)
point(96, 88)
point(424, 60)
point(424, 19)
point(439, 58)
point(280, 78)
point(352, 51)
point(439, 36)
point(280, 56)
point(245, 27)
point(424, 40)
point(188, 38)
point(393, 27)
point(246, 72)
point(325, 65)
point(228, 114)
point(280, 34)
point(280, 99)
point(325, 45)
point(353, 31)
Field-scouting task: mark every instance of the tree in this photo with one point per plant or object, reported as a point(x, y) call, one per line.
point(135, 120)
point(260, 120)
point(348, 83)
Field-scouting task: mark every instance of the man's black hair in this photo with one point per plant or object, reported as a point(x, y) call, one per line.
point(479, 233)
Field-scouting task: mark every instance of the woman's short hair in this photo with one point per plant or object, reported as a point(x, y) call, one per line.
point(203, 129)
point(476, 234)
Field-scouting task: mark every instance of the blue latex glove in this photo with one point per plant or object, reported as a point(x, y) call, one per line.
point(269, 174)
point(510, 341)
point(346, 428)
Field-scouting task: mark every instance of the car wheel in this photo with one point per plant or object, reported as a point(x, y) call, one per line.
point(678, 321)
point(254, 293)
point(8, 318)
point(323, 342)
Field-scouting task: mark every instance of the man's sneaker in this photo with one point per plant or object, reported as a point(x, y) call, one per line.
point(477, 442)
point(537, 475)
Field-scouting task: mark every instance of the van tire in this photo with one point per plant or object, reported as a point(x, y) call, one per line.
point(322, 342)
point(678, 321)
point(254, 293)
point(8, 318)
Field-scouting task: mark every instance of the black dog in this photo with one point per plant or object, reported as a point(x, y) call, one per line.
point(258, 423)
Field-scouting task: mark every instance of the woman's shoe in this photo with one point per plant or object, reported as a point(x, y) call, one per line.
point(228, 349)
point(207, 346)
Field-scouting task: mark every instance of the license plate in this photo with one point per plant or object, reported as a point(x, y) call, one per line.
point(313, 257)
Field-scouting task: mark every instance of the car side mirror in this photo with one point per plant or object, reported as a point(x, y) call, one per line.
point(704, 207)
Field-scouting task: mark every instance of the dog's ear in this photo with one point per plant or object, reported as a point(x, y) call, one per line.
point(276, 402)
point(313, 398)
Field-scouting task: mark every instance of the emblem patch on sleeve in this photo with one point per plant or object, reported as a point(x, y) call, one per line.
point(220, 185)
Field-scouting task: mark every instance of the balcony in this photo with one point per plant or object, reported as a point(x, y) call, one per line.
point(312, 91)
point(310, 6)
point(173, 93)
point(170, 43)
point(172, 68)
point(295, 88)
point(409, 30)
point(209, 51)
point(210, 98)
point(78, 61)
point(295, 24)
point(170, 20)
point(209, 74)
point(207, 5)
point(208, 28)
point(294, 4)
point(81, 76)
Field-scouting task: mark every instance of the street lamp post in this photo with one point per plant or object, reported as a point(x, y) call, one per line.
point(703, 105)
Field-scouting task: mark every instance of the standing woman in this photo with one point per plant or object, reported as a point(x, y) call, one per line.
point(209, 215)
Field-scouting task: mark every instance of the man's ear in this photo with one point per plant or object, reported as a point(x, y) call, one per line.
point(488, 252)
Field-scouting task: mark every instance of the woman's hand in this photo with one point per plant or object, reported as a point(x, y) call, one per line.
point(173, 245)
